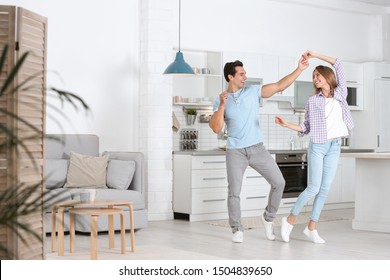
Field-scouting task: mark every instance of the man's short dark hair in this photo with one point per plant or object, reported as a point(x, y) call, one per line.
point(230, 69)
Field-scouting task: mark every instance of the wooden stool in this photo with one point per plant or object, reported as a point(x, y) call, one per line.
point(95, 213)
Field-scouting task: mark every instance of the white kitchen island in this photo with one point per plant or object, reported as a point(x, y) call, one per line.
point(372, 197)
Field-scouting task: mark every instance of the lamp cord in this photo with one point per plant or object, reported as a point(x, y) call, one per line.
point(179, 21)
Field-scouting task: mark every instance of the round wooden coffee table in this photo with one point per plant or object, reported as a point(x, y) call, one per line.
point(73, 204)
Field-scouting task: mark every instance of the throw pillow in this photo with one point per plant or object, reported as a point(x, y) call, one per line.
point(120, 173)
point(86, 171)
point(56, 170)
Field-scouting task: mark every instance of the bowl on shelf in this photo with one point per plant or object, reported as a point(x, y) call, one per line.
point(204, 118)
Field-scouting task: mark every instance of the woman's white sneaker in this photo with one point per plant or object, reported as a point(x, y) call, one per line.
point(313, 235)
point(286, 229)
point(238, 237)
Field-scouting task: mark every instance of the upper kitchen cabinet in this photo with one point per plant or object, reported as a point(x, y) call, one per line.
point(278, 67)
point(262, 66)
point(203, 87)
point(354, 79)
point(270, 68)
point(354, 76)
point(307, 74)
point(379, 70)
point(253, 63)
point(285, 66)
point(353, 72)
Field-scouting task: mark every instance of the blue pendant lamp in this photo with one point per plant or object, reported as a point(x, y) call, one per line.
point(179, 66)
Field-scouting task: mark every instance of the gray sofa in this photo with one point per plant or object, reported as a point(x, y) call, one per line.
point(60, 147)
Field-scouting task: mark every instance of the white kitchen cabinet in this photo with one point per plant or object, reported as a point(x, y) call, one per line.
point(200, 85)
point(271, 68)
point(307, 74)
point(342, 190)
point(286, 66)
point(334, 195)
point(371, 125)
point(282, 66)
point(347, 175)
point(353, 72)
point(200, 188)
point(253, 62)
point(382, 99)
point(254, 193)
point(354, 76)
point(378, 70)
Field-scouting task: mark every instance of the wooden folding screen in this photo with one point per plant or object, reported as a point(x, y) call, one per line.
point(24, 31)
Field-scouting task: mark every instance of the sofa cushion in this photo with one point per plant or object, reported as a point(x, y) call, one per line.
point(56, 170)
point(54, 196)
point(120, 173)
point(86, 171)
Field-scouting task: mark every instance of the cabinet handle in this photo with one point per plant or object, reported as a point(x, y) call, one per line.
point(352, 82)
point(214, 161)
point(291, 202)
point(214, 200)
point(385, 77)
point(208, 179)
point(292, 165)
point(253, 177)
point(255, 197)
point(378, 141)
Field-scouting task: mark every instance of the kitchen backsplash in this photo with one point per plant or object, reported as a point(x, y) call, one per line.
point(275, 136)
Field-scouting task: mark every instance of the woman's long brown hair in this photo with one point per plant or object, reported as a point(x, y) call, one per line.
point(329, 76)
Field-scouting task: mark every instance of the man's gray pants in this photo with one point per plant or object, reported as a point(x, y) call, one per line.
point(257, 157)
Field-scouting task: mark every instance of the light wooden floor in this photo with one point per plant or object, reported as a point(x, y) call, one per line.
point(182, 240)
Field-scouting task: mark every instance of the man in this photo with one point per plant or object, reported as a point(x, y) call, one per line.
point(238, 107)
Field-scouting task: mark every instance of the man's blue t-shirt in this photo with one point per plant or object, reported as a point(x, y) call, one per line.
point(242, 117)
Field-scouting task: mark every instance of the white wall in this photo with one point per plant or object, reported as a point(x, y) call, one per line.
point(280, 28)
point(94, 48)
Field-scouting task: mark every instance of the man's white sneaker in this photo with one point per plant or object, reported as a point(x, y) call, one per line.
point(286, 229)
point(269, 228)
point(313, 236)
point(238, 237)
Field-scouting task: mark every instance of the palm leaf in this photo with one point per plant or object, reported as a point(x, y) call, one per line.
point(13, 74)
point(3, 57)
point(25, 202)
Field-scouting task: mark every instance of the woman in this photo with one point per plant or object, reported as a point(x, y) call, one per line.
point(327, 118)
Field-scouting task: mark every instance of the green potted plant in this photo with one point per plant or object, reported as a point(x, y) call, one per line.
point(191, 116)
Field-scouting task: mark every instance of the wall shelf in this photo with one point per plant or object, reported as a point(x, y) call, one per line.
point(199, 106)
point(200, 85)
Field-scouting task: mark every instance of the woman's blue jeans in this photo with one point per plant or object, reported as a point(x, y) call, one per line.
point(322, 166)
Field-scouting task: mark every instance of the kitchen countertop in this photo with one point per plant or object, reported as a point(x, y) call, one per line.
point(217, 152)
point(370, 155)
